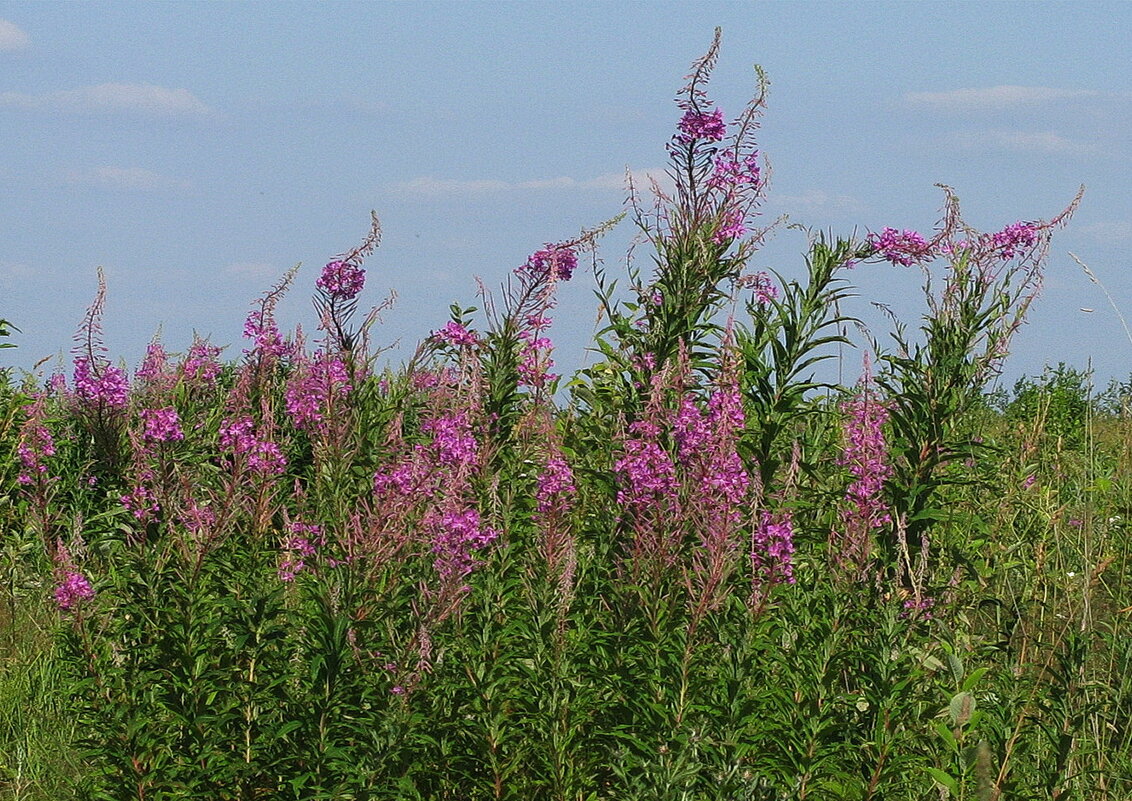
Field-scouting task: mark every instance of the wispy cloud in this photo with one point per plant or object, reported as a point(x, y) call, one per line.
point(254, 269)
point(1045, 142)
point(133, 179)
point(1114, 231)
point(441, 187)
point(994, 98)
point(15, 269)
point(817, 201)
point(12, 37)
point(136, 98)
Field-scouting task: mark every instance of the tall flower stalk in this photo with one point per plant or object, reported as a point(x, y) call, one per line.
point(702, 234)
point(864, 510)
point(988, 284)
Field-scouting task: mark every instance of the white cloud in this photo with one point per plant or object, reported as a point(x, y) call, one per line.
point(133, 179)
point(436, 187)
point(15, 269)
point(817, 201)
point(994, 98)
point(1046, 142)
point(253, 269)
point(1116, 231)
point(12, 37)
point(140, 98)
point(440, 187)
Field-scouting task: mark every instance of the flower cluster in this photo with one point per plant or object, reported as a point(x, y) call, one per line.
point(57, 384)
point(1014, 239)
point(140, 500)
point(730, 173)
point(646, 473)
point(260, 328)
point(918, 608)
point(341, 280)
point(35, 446)
point(102, 384)
point(554, 261)
point(298, 548)
point(197, 518)
point(865, 453)
point(732, 226)
point(314, 388)
point(696, 125)
point(262, 457)
point(161, 425)
point(555, 486)
point(200, 365)
point(772, 550)
point(153, 365)
point(71, 586)
point(452, 439)
point(904, 248)
point(534, 359)
point(406, 478)
point(716, 482)
point(454, 334)
point(761, 285)
point(456, 535)
point(727, 474)
point(690, 430)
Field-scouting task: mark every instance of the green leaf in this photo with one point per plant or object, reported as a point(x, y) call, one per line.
point(944, 780)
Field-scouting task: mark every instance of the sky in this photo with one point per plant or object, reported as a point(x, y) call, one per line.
point(197, 151)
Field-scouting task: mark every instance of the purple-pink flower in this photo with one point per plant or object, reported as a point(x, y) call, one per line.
point(865, 454)
point(101, 383)
point(314, 389)
point(298, 548)
point(555, 486)
point(153, 365)
point(646, 474)
point(200, 365)
point(761, 285)
point(341, 280)
point(71, 586)
point(263, 457)
point(900, 247)
point(701, 125)
point(36, 445)
point(140, 502)
point(772, 550)
point(554, 261)
point(731, 227)
point(920, 608)
point(406, 478)
point(161, 425)
point(455, 334)
point(729, 173)
point(72, 589)
point(452, 439)
point(1014, 238)
point(456, 536)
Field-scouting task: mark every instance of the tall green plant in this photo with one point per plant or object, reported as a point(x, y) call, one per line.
point(787, 337)
point(974, 309)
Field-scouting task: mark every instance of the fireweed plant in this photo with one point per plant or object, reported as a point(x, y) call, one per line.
point(694, 570)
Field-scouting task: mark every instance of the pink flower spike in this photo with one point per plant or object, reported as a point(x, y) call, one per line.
point(341, 280)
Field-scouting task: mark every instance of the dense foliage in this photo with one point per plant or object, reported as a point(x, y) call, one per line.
point(694, 570)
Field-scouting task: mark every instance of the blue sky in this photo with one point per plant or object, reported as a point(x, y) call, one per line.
point(196, 151)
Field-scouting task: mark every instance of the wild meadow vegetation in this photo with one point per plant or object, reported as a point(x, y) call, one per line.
point(693, 570)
